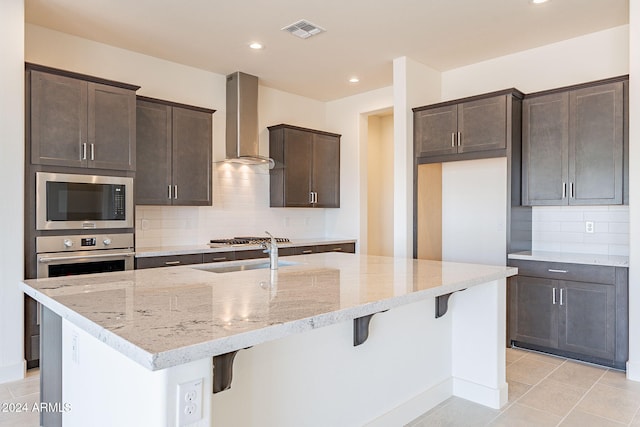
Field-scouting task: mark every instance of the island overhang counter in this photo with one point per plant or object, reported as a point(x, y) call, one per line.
point(128, 339)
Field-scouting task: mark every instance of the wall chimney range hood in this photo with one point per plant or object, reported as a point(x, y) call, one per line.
point(242, 120)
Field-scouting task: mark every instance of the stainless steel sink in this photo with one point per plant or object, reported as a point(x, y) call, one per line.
point(242, 267)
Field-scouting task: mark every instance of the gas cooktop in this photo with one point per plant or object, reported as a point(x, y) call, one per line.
point(242, 241)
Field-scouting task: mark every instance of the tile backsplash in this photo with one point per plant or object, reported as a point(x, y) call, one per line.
point(563, 229)
point(240, 208)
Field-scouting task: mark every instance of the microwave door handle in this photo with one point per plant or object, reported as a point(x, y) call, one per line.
point(71, 258)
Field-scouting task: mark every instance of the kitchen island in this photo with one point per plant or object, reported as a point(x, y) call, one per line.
point(309, 350)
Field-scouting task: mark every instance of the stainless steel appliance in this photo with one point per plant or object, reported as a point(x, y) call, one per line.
point(84, 254)
point(75, 202)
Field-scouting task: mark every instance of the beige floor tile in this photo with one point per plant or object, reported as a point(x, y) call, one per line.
point(582, 419)
point(553, 397)
point(577, 374)
point(547, 358)
point(24, 387)
point(619, 379)
point(529, 371)
point(29, 419)
point(5, 394)
point(18, 409)
point(516, 390)
point(459, 413)
point(522, 416)
point(514, 354)
point(636, 420)
point(610, 402)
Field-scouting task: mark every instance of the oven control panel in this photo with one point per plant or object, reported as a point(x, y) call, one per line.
point(83, 242)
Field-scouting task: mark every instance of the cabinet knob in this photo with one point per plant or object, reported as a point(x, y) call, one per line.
point(107, 241)
point(67, 243)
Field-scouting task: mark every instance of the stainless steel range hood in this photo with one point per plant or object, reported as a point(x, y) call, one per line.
point(242, 120)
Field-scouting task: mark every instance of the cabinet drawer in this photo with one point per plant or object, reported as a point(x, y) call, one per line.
point(168, 261)
point(288, 251)
point(251, 254)
point(306, 250)
point(342, 247)
point(218, 257)
point(564, 271)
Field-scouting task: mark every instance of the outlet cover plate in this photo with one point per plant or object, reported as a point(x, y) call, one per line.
point(190, 402)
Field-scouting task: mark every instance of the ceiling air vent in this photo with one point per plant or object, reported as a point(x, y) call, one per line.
point(304, 29)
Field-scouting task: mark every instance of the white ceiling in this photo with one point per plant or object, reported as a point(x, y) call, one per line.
point(363, 36)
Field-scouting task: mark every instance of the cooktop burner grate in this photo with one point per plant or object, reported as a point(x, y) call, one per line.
point(250, 240)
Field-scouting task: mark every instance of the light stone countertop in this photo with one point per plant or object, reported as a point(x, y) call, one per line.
point(153, 251)
point(572, 258)
point(164, 317)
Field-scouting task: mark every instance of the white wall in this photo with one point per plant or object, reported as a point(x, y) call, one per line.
point(633, 367)
point(11, 172)
point(347, 116)
point(474, 211)
point(594, 56)
point(380, 186)
point(563, 229)
point(414, 85)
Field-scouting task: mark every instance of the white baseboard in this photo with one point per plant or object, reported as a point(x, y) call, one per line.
point(633, 371)
point(487, 396)
point(415, 407)
point(13, 372)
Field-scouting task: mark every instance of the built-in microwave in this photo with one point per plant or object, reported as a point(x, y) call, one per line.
point(75, 202)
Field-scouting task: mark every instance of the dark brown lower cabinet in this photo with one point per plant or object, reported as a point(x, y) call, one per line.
point(576, 318)
point(198, 258)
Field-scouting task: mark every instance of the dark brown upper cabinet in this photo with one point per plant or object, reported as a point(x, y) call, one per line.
point(458, 130)
point(307, 167)
point(174, 154)
point(81, 123)
point(573, 145)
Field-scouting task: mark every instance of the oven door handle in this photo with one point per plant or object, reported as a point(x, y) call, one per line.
point(71, 258)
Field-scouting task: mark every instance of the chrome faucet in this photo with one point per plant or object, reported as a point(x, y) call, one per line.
point(271, 249)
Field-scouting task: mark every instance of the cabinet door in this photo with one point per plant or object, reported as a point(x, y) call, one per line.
point(533, 314)
point(596, 145)
point(112, 127)
point(153, 153)
point(435, 131)
point(545, 148)
point(326, 171)
point(482, 124)
point(58, 120)
point(191, 154)
point(298, 158)
point(587, 319)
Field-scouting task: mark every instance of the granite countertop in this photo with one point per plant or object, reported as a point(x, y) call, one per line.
point(153, 251)
point(573, 258)
point(165, 317)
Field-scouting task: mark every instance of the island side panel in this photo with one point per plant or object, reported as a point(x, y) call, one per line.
point(318, 378)
point(479, 334)
point(103, 388)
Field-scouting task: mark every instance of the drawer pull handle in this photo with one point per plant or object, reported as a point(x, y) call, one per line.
point(222, 258)
point(553, 270)
point(308, 251)
point(172, 262)
point(337, 249)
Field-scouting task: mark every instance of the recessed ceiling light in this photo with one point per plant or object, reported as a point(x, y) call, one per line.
point(256, 45)
point(539, 1)
point(354, 80)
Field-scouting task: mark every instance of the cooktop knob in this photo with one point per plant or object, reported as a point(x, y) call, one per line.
point(67, 243)
point(107, 241)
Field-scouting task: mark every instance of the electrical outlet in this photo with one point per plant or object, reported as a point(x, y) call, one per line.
point(75, 348)
point(589, 227)
point(190, 402)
